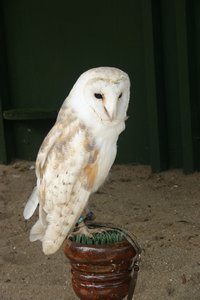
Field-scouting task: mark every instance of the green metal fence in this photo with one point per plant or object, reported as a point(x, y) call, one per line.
point(46, 45)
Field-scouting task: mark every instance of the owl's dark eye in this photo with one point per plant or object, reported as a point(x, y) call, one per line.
point(120, 96)
point(98, 96)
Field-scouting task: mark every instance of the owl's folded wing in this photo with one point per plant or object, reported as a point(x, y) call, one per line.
point(66, 170)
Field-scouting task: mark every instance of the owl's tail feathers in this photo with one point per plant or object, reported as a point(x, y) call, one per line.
point(60, 227)
point(31, 205)
point(37, 231)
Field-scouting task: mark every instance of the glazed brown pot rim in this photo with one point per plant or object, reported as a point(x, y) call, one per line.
point(98, 253)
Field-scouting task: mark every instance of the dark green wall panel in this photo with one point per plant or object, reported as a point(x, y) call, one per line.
point(48, 44)
point(170, 73)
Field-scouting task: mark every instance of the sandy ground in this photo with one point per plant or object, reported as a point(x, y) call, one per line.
point(162, 210)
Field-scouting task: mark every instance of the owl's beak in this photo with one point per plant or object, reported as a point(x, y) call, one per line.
point(110, 110)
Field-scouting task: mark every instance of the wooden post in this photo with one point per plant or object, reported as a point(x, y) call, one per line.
point(155, 96)
point(6, 141)
point(184, 88)
point(3, 153)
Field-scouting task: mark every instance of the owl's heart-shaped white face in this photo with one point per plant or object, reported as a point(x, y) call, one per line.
point(101, 94)
point(108, 99)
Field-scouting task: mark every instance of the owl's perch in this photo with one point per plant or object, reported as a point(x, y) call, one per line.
point(106, 267)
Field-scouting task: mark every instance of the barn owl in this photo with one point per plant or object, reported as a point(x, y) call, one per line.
point(77, 154)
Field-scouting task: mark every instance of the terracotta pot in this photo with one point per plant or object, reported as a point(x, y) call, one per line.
point(100, 272)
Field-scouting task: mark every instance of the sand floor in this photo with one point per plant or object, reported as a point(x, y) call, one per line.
point(162, 210)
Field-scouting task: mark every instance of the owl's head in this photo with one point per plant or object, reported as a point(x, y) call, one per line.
point(101, 94)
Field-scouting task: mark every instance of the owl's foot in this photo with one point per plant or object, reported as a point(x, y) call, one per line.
point(83, 229)
point(89, 232)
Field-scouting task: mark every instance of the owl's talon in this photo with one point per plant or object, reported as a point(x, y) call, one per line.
point(82, 229)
